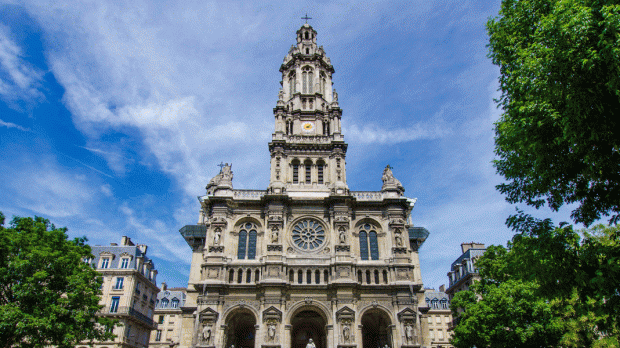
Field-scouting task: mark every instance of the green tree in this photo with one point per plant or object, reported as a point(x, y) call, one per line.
point(552, 287)
point(48, 294)
point(558, 138)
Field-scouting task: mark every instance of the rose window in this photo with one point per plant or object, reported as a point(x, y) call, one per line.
point(308, 234)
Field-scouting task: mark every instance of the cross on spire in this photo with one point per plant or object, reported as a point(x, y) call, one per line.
point(306, 17)
point(221, 165)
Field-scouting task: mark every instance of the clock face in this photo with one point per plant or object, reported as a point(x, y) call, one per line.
point(307, 127)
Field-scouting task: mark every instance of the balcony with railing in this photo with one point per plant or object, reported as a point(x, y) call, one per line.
point(128, 311)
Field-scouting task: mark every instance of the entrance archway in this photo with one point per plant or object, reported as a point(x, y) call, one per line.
point(241, 329)
point(376, 329)
point(305, 325)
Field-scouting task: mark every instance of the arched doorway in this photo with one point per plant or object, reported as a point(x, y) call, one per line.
point(305, 325)
point(241, 329)
point(376, 329)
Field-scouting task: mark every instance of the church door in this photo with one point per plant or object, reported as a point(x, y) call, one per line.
point(307, 325)
point(240, 330)
point(375, 330)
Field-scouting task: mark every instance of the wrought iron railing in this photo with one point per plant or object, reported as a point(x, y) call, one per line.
point(127, 311)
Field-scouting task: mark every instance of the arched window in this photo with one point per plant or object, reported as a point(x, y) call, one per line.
point(308, 277)
point(363, 245)
point(319, 171)
point(367, 277)
point(385, 277)
point(323, 82)
point(257, 275)
point(374, 246)
point(435, 303)
point(325, 276)
point(359, 277)
point(248, 276)
point(164, 303)
point(368, 242)
point(231, 276)
point(444, 303)
point(243, 237)
point(175, 303)
point(295, 172)
point(291, 276)
point(247, 241)
point(317, 277)
point(300, 276)
point(291, 84)
point(306, 80)
point(376, 277)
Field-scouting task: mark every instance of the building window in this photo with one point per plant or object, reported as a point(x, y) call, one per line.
point(119, 283)
point(247, 241)
point(161, 319)
point(306, 80)
point(295, 172)
point(164, 303)
point(308, 169)
point(128, 331)
point(114, 304)
point(320, 173)
point(105, 262)
point(175, 303)
point(444, 303)
point(291, 82)
point(368, 241)
point(125, 263)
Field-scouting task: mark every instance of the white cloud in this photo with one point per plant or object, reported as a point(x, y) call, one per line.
point(372, 134)
point(13, 125)
point(19, 80)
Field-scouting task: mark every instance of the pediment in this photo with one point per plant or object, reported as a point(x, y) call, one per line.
point(345, 313)
point(407, 314)
point(208, 314)
point(272, 313)
point(107, 254)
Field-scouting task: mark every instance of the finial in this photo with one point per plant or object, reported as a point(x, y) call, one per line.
point(306, 17)
point(221, 165)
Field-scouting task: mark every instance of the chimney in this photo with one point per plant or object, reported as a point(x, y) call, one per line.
point(164, 286)
point(442, 288)
point(126, 241)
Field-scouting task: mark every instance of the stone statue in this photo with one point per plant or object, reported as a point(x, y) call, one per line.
point(310, 344)
point(275, 235)
point(224, 177)
point(281, 95)
point(335, 95)
point(342, 236)
point(206, 334)
point(217, 236)
point(271, 331)
point(399, 238)
point(409, 332)
point(346, 332)
point(389, 179)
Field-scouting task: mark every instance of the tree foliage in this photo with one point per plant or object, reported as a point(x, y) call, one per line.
point(48, 295)
point(558, 139)
point(552, 287)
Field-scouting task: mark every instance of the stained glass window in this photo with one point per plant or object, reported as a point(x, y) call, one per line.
point(308, 234)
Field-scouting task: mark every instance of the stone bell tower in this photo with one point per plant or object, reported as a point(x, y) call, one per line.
point(307, 148)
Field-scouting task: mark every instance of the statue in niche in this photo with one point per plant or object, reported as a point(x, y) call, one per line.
point(217, 235)
point(281, 95)
point(346, 332)
point(409, 333)
point(342, 235)
point(206, 334)
point(389, 179)
point(398, 237)
point(275, 234)
point(271, 331)
point(310, 344)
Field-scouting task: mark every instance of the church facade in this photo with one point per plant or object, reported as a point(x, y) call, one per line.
point(305, 262)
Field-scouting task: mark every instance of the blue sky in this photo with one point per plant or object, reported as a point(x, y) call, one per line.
point(114, 114)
